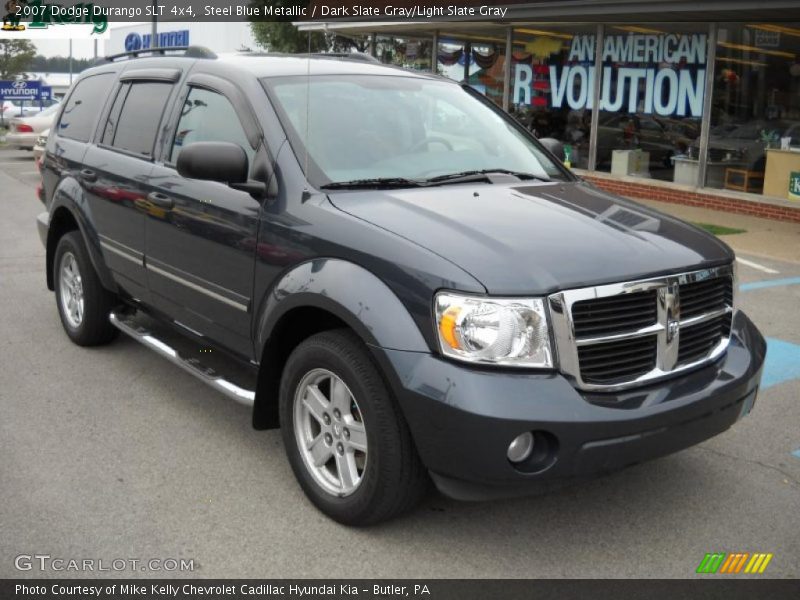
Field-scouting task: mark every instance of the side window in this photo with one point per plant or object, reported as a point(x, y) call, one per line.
point(113, 116)
point(83, 106)
point(208, 117)
point(134, 119)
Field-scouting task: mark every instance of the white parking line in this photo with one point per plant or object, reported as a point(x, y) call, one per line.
point(29, 172)
point(758, 266)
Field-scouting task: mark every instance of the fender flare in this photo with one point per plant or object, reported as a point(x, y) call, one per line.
point(348, 291)
point(69, 196)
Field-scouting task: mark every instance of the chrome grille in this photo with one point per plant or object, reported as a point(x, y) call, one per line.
point(616, 336)
point(615, 314)
point(698, 340)
point(707, 296)
point(617, 362)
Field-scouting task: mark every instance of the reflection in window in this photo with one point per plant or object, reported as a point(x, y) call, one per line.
point(208, 117)
point(755, 108)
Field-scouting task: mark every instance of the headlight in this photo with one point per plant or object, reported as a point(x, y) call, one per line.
point(502, 331)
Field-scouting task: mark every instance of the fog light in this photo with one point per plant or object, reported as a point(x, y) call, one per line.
point(521, 447)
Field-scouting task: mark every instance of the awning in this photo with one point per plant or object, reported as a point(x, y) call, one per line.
point(520, 14)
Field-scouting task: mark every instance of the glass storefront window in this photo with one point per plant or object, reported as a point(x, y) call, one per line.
point(475, 58)
point(755, 108)
point(651, 100)
point(547, 96)
point(409, 53)
point(653, 81)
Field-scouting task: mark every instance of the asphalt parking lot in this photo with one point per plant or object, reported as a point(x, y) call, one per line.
point(115, 453)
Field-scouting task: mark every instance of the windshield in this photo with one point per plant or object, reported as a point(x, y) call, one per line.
point(365, 128)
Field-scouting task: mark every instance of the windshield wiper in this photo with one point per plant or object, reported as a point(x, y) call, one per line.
point(481, 175)
point(401, 182)
point(374, 183)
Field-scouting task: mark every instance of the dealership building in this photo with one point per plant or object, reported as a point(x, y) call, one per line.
point(221, 37)
point(689, 102)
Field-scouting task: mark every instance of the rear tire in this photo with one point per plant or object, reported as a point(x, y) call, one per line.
point(83, 303)
point(346, 439)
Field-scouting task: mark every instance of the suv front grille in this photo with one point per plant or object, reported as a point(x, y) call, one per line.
point(698, 340)
point(615, 314)
point(702, 297)
point(616, 362)
point(619, 335)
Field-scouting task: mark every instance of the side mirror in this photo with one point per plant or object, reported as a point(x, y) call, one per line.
point(214, 161)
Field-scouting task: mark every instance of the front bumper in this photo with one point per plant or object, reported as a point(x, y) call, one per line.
point(463, 418)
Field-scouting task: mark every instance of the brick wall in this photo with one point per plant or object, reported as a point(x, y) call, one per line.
point(703, 199)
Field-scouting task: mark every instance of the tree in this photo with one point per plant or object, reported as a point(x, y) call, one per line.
point(15, 57)
point(279, 35)
point(59, 64)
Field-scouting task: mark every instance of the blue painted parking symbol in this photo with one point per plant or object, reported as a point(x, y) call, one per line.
point(769, 283)
point(782, 364)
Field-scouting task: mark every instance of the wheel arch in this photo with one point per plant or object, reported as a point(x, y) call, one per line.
point(320, 295)
point(69, 212)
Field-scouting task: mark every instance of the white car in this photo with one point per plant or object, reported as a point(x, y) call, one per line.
point(24, 131)
point(38, 147)
point(11, 109)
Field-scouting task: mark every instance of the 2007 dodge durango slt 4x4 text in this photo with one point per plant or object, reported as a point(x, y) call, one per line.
point(391, 270)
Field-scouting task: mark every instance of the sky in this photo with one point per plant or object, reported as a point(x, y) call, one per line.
point(81, 48)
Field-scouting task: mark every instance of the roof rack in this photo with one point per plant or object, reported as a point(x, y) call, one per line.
point(357, 56)
point(188, 52)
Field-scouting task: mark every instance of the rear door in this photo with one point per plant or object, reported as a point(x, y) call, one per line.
point(75, 128)
point(116, 171)
point(201, 254)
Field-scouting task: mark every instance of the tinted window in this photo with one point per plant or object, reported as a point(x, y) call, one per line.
point(209, 117)
point(138, 121)
point(84, 104)
point(113, 116)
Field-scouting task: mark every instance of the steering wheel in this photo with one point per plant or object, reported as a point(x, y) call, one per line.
point(434, 139)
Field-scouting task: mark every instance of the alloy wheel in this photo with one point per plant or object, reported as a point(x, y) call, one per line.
point(71, 290)
point(330, 432)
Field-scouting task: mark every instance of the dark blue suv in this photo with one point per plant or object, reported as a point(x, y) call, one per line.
point(392, 270)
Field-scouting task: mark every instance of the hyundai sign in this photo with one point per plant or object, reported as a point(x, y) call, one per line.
point(168, 39)
point(20, 90)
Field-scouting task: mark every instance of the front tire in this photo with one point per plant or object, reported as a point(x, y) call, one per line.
point(83, 303)
point(346, 439)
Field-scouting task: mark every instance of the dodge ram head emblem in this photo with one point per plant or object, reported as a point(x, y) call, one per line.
point(672, 329)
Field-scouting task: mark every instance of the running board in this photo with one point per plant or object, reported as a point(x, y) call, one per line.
point(191, 365)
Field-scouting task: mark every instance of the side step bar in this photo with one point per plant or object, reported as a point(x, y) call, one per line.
point(191, 365)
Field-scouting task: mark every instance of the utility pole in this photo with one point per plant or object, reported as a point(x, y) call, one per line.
point(154, 31)
point(70, 61)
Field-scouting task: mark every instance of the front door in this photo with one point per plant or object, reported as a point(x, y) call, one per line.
point(200, 251)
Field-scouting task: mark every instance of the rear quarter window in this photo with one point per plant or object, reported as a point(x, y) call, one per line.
point(83, 106)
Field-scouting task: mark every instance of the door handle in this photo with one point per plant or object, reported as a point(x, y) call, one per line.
point(88, 175)
point(160, 200)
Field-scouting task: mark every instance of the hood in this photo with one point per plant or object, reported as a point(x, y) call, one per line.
point(538, 238)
